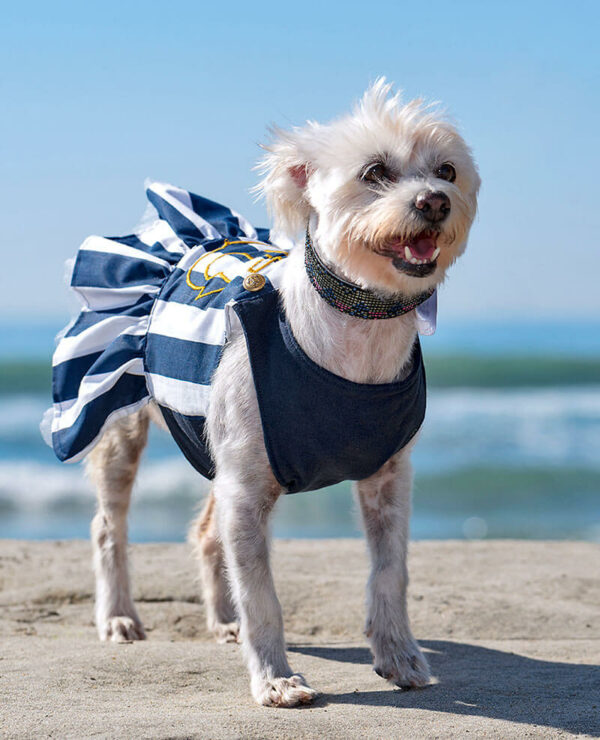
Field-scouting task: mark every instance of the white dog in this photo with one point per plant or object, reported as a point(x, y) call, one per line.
point(385, 198)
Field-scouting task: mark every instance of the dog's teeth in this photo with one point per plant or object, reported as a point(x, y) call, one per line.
point(435, 254)
point(414, 261)
point(407, 253)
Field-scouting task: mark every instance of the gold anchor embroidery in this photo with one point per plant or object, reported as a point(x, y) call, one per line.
point(260, 262)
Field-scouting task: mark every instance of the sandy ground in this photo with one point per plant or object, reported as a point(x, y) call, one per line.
point(511, 629)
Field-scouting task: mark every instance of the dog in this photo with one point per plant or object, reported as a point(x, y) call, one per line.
point(378, 205)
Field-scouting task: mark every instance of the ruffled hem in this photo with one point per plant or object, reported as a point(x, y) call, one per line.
point(98, 369)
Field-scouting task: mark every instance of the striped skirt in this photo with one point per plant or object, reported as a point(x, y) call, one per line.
point(132, 340)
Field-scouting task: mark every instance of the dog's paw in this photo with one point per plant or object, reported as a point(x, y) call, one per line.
point(283, 692)
point(121, 629)
point(226, 632)
point(403, 665)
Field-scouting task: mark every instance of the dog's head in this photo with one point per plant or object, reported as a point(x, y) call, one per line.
point(390, 190)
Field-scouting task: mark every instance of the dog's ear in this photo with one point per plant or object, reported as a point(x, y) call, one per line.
point(286, 169)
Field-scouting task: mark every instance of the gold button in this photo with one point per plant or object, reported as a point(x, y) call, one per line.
point(254, 281)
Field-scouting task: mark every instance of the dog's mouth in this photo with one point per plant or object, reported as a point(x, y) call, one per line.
point(416, 255)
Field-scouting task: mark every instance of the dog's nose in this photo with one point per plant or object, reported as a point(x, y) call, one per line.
point(433, 206)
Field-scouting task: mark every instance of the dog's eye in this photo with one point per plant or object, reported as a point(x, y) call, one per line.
point(377, 173)
point(446, 171)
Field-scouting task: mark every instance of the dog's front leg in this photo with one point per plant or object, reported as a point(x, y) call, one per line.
point(385, 505)
point(242, 513)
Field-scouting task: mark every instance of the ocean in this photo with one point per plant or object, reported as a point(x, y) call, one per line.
point(509, 449)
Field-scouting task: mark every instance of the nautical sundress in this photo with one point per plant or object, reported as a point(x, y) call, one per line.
point(160, 305)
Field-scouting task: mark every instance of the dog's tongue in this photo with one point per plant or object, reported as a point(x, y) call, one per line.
point(422, 247)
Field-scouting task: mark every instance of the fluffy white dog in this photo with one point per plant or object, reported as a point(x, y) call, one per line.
point(389, 193)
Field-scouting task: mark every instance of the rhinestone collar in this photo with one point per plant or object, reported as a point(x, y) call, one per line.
point(349, 298)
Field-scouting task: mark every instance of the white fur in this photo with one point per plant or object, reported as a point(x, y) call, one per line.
point(311, 175)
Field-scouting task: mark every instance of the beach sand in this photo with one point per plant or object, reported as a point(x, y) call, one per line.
point(511, 629)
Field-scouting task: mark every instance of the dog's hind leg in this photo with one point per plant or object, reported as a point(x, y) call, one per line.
point(220, 612)
point(112, 466)
point(385, 504)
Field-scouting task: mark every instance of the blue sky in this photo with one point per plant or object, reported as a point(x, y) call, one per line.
point(99, 96)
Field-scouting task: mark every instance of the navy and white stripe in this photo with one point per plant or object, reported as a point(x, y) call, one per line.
point(131, 342)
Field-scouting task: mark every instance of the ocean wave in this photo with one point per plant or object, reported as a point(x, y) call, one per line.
point(40, 502)
point(558, 427)
point(521, 403)
point(21, 412)
point(35, 486)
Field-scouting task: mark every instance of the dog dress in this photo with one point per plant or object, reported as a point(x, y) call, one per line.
point(158, 308)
